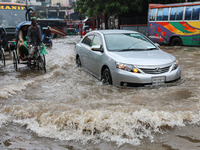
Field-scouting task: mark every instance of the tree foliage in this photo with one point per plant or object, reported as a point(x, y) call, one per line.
point(109, 8)
point(117, 7)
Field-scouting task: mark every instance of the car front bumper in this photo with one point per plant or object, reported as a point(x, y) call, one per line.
point(121, 77)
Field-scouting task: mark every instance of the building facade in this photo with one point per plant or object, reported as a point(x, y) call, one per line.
point(63, 3)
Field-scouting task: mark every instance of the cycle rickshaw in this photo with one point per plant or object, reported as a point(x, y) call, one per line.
point(3, 45)
point(21, 52)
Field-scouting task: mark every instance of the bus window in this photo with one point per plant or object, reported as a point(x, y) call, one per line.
point(188, 13)
point(162, 14)
point(165, 14)
point(61, 14)
point(192, 13)
point(153, 15)
point(52, 14)
point(176, 13)
point(195, 13)
point(159, 14)
point(179, 14)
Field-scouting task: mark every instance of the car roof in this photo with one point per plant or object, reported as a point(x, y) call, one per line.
point(115, 31)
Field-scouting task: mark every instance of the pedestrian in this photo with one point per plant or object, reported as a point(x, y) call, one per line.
point(47, 35)
point(22, 50)
point(48, 32)
point(34, 38)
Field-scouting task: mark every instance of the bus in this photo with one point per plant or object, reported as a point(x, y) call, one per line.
point(58, 27)
point(174, 24)
point(11, 14)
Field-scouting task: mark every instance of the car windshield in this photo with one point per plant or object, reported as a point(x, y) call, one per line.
point(128, 42)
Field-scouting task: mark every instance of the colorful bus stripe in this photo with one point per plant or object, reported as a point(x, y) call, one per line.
point(161, 32)
point(180, 28)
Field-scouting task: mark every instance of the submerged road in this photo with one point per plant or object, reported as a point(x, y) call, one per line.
point(67, 108)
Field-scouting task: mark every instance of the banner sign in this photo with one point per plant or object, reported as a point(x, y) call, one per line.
point(68, 12)
point(12, 7)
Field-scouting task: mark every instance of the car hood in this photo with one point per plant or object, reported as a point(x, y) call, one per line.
point(152, 57)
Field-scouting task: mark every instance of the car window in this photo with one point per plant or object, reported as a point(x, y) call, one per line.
point(96, 41)
point(132, 41)
point(87, 40)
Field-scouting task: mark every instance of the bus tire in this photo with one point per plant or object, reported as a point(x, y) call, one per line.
point(176, 41)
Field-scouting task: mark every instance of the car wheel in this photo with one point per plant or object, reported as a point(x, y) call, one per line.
point(78, 62)
point(176, 41)
point(106, 77)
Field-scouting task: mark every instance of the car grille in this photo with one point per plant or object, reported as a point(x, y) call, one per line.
point(157, 70)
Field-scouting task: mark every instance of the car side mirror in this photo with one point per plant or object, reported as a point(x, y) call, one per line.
point(97, 48)
point(156, 44)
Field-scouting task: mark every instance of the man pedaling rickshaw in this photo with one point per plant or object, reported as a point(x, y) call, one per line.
point(34, 38)
point(30, 48)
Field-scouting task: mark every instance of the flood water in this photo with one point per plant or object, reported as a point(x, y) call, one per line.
point(67, 108)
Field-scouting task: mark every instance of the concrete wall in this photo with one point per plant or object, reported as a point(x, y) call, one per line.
point(139, 28)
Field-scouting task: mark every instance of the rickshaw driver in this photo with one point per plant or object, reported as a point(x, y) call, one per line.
point(34, 38)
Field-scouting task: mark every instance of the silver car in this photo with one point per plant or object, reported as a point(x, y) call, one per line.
point(126, 58)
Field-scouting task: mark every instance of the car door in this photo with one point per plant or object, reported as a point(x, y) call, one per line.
point(96, 56)
point(85, 51)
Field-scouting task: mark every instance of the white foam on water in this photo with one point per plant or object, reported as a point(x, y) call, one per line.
point(11, 89)
point(95, 125)
point(3, 119)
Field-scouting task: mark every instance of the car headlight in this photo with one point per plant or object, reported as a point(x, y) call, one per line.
point(127, 67)
point(175, 65)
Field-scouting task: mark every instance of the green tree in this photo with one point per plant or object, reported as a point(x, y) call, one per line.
point(116, 7)
point(105, 7)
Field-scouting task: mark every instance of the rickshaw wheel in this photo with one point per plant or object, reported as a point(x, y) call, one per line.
point(15, 59)
point(41, 63)
point(18, 60)
point(51, 44)
point(3, 57)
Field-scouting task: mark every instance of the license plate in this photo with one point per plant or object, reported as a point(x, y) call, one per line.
point(158, 80)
